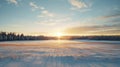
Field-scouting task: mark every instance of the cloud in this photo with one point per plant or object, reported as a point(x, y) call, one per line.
point(110, 31)
point(47, 17)
point(114, 14)
point(109, 17)
point(42, 8)
point(46, 14)
point(46, 22)
point(13, 2)
point(33, 5)
point(53, 21)
point(78, 4)
point(103, 29)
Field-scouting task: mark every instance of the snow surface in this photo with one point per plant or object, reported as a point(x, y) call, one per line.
point(60, 53)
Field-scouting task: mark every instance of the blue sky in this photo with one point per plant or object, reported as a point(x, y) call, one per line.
point(74, 17)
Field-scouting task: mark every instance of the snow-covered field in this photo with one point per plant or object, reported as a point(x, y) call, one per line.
point(60, 53)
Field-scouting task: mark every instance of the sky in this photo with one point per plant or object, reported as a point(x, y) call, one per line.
point(70, 17)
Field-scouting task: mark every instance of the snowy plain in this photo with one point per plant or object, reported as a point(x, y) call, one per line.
point(60, 53)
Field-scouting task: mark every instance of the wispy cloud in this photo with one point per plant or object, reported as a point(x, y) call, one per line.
point(81, 5)
point(53, 21)
point(78, 4)
point(33, 5)
point(108, 18)
point(46, 13)
point(42, 8)
point(112, 15)
point(13, 2)
point(49, 18)
point(46, 22)
point(103, 29)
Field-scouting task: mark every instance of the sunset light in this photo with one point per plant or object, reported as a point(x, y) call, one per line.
point(59, 34)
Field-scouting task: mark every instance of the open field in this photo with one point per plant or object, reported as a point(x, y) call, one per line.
point(60, 53)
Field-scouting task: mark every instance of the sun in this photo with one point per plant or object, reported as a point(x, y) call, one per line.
point(59, 34)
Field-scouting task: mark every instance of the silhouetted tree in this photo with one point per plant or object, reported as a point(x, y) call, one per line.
point(4, 36)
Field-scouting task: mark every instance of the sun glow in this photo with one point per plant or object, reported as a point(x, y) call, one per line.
point(59, 34)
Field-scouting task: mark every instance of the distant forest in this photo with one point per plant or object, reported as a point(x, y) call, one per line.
point(5, 36)
point(11, 36)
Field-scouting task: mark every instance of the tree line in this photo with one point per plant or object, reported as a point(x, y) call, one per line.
point(5, 36)
point(102, 37)
point(11, 36)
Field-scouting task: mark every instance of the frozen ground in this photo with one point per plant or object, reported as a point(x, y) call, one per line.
point(60, 53)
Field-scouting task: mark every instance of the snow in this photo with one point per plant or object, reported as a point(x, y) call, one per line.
point(60, 53)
